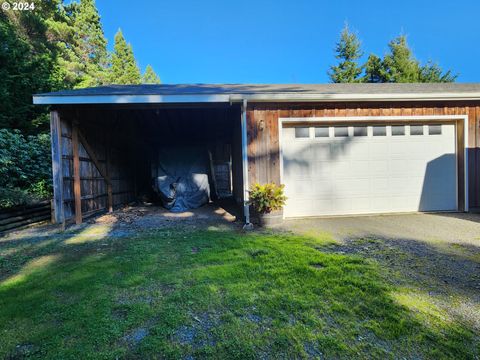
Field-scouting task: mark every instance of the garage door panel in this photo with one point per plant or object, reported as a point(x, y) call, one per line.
point(341, 169)
point(338, 150)
point(360, 151)
point(379, 167)
point(299, 207)
point(299, 149)
point(322, 169)
point(376, 151)
point(351, 187)
point(297, 168)
point(322, 189)
point(360, 169)
point(321, 150)
point(368, 174)
point(299, 189)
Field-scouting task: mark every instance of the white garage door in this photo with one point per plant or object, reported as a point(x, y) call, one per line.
point(336, 170)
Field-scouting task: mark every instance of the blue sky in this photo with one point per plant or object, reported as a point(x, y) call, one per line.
point(226, 41)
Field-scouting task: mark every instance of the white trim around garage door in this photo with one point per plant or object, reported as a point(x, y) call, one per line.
point(385, 119)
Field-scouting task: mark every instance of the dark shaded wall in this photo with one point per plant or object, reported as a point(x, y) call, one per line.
point(108, 137)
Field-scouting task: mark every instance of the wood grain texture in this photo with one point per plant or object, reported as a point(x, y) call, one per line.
point(76, 175)
point(57, 174)
point(264, 162)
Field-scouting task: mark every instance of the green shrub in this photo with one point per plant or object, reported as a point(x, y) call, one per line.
point(25, 168)
point(15, 197)
point(267, 198)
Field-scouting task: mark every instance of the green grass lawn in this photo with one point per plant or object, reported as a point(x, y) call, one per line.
point(211, 294)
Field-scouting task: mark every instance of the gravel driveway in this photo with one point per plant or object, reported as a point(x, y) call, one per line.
point(435, 257)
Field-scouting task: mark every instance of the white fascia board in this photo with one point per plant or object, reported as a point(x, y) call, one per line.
point(127, 99)
point(223, 98)
point(295, 97)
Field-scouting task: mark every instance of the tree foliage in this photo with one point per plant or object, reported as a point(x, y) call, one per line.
point(399, 65)
point(150, 77)
point(25, 169)
point(56, 46)
point(89, 58)
point(348, 52)
point(124, 67)
point(28, 59)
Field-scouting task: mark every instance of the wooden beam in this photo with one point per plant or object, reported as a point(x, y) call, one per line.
point(57, 175)
point(100, 169)
point(77, 192)
point(107, 173)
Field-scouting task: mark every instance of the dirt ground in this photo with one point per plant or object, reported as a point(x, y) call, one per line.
point(129, 220)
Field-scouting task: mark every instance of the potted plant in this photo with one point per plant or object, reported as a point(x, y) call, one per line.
point(267, 202)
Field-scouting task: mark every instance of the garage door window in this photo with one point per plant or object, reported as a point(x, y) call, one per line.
point(341, 131)
point(321, 131)
point(302, 132)
point(379, 131)
point(416, 130)
point(398, 130)
point(360, 131)
point(434, 129)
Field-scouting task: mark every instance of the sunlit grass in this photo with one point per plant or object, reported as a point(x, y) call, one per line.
point(30, 268)
point(216, 294)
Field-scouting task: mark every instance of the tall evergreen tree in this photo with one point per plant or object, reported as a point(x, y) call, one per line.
point(432, 73)
point(150, 77)
point(124, 68)
point(374, 71)
point(348, 52)
point(400, 65)
point(28, 59)
point(90, 58)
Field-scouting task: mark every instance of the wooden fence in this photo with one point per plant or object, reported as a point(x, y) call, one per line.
point(24, 215)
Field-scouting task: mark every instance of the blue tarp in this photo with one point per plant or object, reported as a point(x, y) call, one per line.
point(181, 178)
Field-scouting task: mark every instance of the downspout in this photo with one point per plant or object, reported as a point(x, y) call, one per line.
point(246, 209)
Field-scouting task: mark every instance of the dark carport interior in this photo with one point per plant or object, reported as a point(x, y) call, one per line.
point(175, 156)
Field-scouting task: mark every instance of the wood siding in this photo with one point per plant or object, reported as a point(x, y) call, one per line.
point(263, 132)
point(109, 155)
point(76, 163)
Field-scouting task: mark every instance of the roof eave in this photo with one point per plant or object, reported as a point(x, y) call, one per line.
point(225, 98)
point(357, 97)
point(127, 99)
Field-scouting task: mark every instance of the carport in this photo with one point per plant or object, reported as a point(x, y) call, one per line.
point(108, 150)
point(338, 148)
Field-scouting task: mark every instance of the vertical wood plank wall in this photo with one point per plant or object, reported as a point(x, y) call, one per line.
point(93, 189)
point(263, 134)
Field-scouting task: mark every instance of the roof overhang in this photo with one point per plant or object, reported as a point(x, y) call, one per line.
point(263, 97)
point(127, 99)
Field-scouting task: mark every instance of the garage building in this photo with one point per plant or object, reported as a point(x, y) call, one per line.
point(338, 148)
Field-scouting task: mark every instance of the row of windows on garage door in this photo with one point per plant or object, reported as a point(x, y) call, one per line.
point(376, 130)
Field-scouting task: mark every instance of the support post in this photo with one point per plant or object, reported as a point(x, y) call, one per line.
point(77, 191)
point(246, 208)
point(57, 175)
point(107, 171)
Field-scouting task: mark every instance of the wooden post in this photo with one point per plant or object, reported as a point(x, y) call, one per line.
point(77, 191)
point(57, 175)
point(107, 170)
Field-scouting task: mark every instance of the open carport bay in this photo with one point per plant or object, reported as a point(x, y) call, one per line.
point(124, 151)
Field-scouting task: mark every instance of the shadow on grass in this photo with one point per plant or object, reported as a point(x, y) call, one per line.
point(212, 293)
